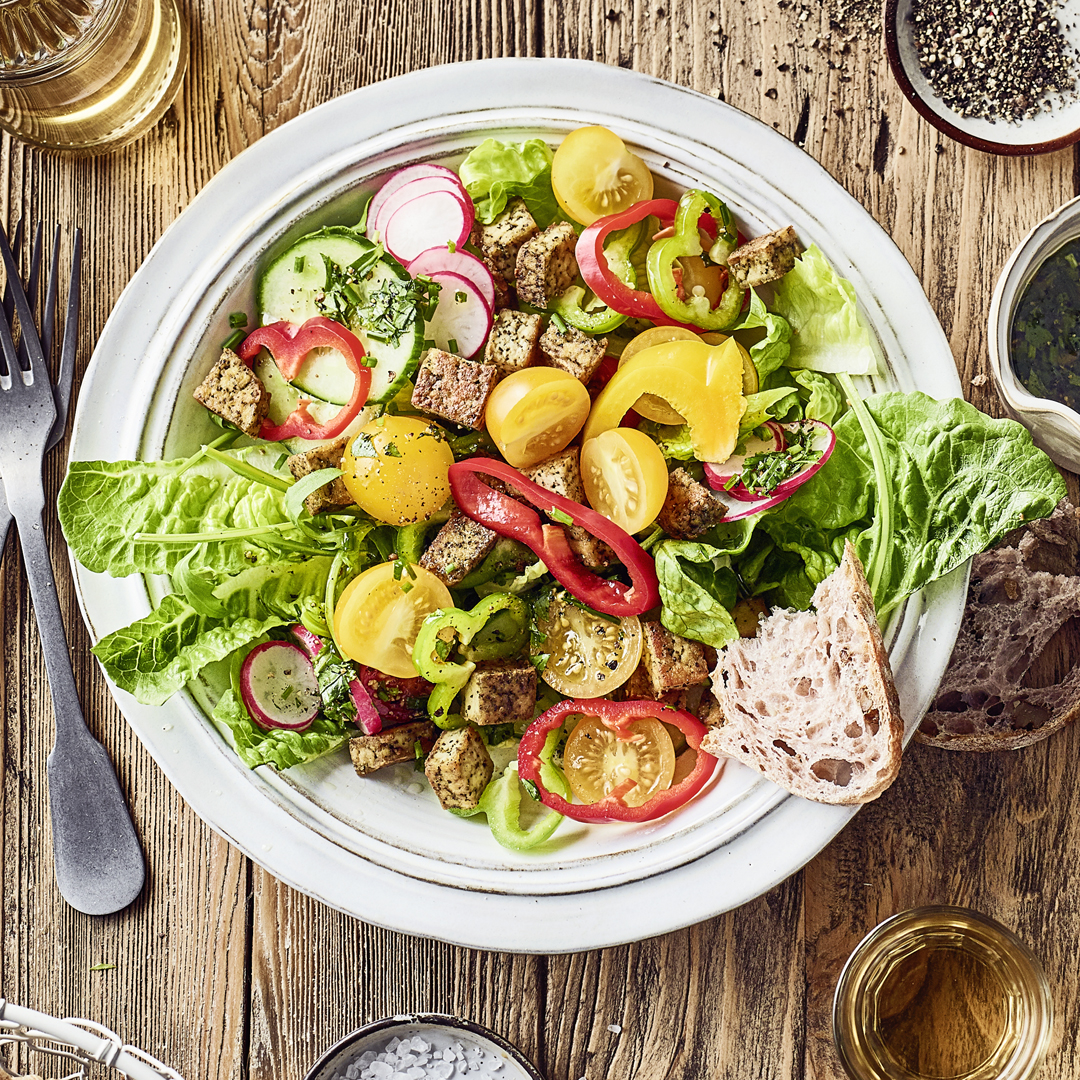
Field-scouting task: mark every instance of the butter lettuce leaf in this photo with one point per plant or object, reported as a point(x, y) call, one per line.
point(698, 589)
point(103, 505)
point(827, 332)
point(156, 655)
point(766, 336)
point(494, 172)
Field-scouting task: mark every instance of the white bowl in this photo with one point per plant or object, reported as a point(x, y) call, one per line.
point(1054, 427)
point(1038, 134)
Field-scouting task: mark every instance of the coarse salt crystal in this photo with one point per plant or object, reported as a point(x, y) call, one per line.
point(615, 1029)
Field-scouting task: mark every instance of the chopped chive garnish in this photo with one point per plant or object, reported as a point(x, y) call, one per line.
point(560, 516)
point(461, 297)
point(298, 264)
point(452, 345)
point(559, 323)
point(238, 318)
point(451, 246)
point(233, 339)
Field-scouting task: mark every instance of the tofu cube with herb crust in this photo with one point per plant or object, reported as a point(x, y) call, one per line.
point(454, 389)
point(671, 662)
point(546, 266)
point(765, 258)
point(330, 496)
point(234, 392)
point(370, 753)
point(500, 692)
point(500, 241)
point(459, 547)
point(689, 509)
point(561, 473)
point(511, 345)
point(458, 768)
point(572, 351)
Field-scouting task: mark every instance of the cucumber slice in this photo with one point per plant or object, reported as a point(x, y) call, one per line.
point(289, 290)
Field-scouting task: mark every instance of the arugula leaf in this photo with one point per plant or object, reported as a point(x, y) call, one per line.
point(495, 172)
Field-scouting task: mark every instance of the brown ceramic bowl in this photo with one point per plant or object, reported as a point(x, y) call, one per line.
point(1037, 135)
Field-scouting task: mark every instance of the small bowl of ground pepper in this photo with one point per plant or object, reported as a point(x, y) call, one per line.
point(1034, 334)
point(997, 75)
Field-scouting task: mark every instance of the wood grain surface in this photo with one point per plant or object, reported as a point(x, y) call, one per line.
point(224, 972)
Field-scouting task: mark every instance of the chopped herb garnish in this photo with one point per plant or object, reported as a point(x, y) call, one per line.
point(461, 297)
point(233, 339)
point(561, 516)
point(452, 345)
point(237, 319)
point(298, 264)
point(451, 246)
point(391, 450)
point(559, 323)
point(532, 789)
point(103, 967)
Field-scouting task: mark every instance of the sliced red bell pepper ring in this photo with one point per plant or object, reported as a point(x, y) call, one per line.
point(603, 281)
point(508, 517)
point(288, 344)
point(617, 715)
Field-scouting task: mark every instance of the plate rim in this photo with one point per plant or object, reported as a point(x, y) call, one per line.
point(819, 822)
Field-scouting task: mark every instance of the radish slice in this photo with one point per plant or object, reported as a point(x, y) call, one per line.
point(411, 191)
point(438, 260)
point(462, 319)
point(719, 475)
point(368, 719)
point(401, 178)
point(311, 643)
point(742, 502)
point(439, 217)
point(278, 686)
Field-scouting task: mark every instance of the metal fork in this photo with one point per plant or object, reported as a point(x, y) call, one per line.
point(99, 864)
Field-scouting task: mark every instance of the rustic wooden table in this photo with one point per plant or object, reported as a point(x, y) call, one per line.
point(223, 971)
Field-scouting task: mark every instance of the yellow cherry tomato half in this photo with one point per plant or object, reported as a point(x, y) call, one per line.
point(625, 477)
point(534, 413)
point(593, 175)
point(588, 655)
point(378, 616)
point(596, 760)
point(396, 468)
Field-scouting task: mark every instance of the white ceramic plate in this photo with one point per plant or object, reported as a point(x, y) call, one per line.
point(375, 848)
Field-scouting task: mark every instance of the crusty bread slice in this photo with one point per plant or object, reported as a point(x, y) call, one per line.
point(810, 702)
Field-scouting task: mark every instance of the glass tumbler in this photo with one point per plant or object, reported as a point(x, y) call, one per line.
point(88, 75)
point(942, 992)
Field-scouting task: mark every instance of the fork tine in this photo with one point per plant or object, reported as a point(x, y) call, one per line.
point(9, 300)
point(7, 344)
point(32, 294)
point(66, 375)
point(28, 330)
point(52, 288)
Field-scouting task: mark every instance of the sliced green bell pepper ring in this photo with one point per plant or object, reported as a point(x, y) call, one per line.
point(501, 802)
point(436, 638)
point(289, 344)
point(617, 255)
point(686, 241)
point(617, 715)
point(508, 517)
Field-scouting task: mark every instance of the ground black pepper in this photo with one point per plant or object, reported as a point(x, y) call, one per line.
point(994, 59)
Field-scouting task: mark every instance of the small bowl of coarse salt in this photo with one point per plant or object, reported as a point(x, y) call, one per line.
point(424, 1046)
point(997, 75)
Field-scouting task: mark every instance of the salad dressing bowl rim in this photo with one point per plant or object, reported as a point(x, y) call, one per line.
point(264, 820)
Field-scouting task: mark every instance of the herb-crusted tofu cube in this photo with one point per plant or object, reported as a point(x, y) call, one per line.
point(689, 509)
point(370, 753)
point(572, 351)
point(500, 692)
point(671, 662)
point(546, 266)
point(330, 496)
point(765, 258)
point(561, 473)
point(459, 547)
point(234, 392)
point(511, 345)
point(500, 241)
point(453, 388)
point(459, 768)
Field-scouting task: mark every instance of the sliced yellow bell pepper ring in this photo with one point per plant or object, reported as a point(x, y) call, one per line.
point(703, 383)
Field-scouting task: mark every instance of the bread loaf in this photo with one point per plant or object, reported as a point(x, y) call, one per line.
point(1019, 597)
point(810, 701)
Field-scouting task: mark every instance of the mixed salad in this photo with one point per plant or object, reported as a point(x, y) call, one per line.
point(506, 463)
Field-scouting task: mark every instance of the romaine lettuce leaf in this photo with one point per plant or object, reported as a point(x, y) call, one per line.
point(495, 172)
point(104, 504)
point(156, 655)
point(827, 333)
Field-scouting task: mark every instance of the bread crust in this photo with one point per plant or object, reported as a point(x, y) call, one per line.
point(810, 702)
